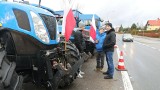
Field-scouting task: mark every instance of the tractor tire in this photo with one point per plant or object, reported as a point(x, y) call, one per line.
point(9, 79)
point(73, 57)
point(90, 47)
point(73, 53)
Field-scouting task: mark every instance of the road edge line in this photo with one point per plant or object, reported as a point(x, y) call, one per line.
point(125, 77)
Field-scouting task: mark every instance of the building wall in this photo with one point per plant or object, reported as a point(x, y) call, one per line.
point(117, 29)
point(153, 27)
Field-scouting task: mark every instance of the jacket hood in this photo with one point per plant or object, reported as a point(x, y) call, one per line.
point(110, 31)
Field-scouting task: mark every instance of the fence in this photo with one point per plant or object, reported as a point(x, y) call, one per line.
point(153, 33)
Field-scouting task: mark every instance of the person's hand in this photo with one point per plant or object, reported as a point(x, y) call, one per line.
point(96, 41)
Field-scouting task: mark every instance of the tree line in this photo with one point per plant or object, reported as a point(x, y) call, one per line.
point(131, 29)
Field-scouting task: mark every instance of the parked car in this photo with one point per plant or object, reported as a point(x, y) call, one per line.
point(127, 38)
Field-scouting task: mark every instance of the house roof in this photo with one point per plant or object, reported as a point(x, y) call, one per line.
point(154, 22)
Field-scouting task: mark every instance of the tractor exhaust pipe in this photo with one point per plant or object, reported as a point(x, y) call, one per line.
point(39, 3)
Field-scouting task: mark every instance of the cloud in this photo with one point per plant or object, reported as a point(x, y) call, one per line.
point(125, 12)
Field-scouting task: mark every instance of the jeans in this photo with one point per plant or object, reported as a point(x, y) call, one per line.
point(109, 59)
point(100, 59)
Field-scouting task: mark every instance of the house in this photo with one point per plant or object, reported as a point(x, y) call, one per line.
point(117, 29)
point(153, 24)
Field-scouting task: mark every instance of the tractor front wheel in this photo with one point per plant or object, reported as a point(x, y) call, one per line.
point(9, 79)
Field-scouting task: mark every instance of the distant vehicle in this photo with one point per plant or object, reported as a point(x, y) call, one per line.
point(127, 37)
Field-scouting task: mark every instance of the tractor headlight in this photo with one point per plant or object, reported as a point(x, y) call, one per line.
point(0, 24)
point(39, 28)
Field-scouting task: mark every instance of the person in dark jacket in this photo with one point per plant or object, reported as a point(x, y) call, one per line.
point(80, 44)
point(108, 47)
point(100, 54)
point(78, 40)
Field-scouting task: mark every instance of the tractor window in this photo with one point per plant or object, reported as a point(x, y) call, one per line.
point(22, 19)
point(87, 22)
point(60, 21)
point(50, 23)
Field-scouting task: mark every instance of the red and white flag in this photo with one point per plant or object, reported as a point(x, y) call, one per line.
point(93, 30)
point(68, 21)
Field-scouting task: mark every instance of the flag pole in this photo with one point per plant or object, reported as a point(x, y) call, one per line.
point(70, 24)
point(65, 44)
point(65, 48)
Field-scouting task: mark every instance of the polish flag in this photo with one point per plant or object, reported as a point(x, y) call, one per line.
point(93, 30)
point(68, 21)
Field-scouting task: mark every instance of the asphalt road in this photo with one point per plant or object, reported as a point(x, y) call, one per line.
point(142, 59)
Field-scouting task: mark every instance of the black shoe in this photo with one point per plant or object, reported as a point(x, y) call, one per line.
point(108, 77)
point(105, 73)
point(101, 67)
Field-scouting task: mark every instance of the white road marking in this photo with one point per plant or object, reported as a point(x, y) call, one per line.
point(143, 44)
point(148, 46)
point(126, 81)
point(125, 77)
point(153, 47)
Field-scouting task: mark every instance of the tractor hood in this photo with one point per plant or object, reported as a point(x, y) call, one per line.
point(29, 20)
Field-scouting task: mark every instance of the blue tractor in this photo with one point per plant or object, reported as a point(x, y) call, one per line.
point(59, 17)
point(30, 50)
point(80, 18)
point(87, 19)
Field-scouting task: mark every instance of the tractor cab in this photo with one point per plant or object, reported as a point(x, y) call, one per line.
point(87, 19)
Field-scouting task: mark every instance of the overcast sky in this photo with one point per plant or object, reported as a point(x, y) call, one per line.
point(125, 12)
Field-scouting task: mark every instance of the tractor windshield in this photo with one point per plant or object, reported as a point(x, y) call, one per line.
point(50, 23)
point(59, 21)
point(88, 22)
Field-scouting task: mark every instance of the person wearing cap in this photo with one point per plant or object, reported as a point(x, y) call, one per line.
point(100, 54)
point(78, 38)
point(108, 47)
point(80, 44)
